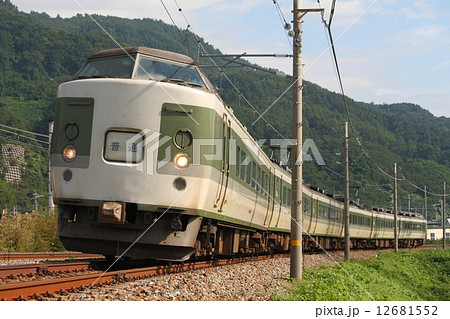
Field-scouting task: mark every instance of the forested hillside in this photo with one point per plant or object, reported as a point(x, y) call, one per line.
point(38, 52)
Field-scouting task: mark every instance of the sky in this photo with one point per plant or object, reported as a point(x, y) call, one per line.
point(389, 51)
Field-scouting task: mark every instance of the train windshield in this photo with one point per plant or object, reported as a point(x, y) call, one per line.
point(164, 71)
point(119, 67)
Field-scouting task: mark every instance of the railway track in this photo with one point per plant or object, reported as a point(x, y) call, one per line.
point(53, 255)
point(50, 288)
point(54, 287)
point(8, 272)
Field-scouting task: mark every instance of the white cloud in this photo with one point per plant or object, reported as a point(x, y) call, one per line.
point(421, 10)
point(429, 31)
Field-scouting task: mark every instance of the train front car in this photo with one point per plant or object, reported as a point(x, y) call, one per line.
point(117, 178)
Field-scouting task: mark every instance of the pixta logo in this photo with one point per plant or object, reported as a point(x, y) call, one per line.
point(143, 149)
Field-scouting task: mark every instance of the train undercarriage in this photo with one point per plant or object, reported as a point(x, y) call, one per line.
point(216, 238)
point(171, 235)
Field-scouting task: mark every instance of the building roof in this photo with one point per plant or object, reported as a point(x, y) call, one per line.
point(437, 223)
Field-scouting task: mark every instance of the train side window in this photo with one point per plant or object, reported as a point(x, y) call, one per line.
point(266, 184)
point(249, 171)
point(242, 165)
point(263, 182)
point(253, 181)
point(238, 161)
point(258, 179)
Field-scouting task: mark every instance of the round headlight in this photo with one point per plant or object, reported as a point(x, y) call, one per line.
point(181, 160)
point(69, 153)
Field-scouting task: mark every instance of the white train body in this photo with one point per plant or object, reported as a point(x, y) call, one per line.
point(152, 164)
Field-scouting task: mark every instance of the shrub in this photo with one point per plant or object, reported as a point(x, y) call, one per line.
point(29, 232)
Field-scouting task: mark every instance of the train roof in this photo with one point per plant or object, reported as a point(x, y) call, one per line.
point(167, 55)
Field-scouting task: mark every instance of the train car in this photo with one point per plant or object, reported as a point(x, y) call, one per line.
point(148, 162)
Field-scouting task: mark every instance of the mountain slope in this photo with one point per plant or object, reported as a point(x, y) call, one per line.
point(38, 52)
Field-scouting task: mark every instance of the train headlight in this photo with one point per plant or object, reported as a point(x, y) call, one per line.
point(69, 153)
point(181, 160)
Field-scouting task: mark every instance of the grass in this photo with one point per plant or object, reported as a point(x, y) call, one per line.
point(29, 232)
point(406, 275)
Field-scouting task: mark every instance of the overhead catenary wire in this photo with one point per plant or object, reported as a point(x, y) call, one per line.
point(285, 24)
point(23, 131)
point(234, 86)
point(24, 143)
point(341, 85)
point(338, 73)
point(133, 59)
point(418, 187)
point(23, 136)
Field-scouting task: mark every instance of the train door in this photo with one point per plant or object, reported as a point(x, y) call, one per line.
point(307, 210)
point(280, 199)
point(225, 173)
point(275, 196)
point(314, 213)
point(269, 194)
point(372, 221)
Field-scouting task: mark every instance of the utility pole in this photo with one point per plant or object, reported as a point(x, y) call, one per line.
point(297, 169)
point(35, 197)
point(51, 205)
point(346, 199)
point(443, 219)
point(409, 203)
point(296, 270)
point(426, 208)
point(426, 203)
point(395, 209)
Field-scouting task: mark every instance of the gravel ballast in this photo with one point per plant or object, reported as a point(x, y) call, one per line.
point(257, 280)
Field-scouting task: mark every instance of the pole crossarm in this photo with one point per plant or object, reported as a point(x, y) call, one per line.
point(303, 12)
point(240, 55)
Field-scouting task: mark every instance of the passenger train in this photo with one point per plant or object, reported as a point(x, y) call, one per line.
point(148, 162)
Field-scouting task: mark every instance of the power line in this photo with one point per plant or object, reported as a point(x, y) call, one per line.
point(241, 95)
point(24, 131)
point(23, 136)
point(417, 187)
point(284, 23)
point(26, 144)
point(341, 85)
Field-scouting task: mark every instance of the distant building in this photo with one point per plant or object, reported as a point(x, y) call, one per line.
point(434, 229)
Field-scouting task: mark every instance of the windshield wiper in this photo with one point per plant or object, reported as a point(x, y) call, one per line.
point(194, 84)
point(182, 82)
point(92, 77)
point(178, 81)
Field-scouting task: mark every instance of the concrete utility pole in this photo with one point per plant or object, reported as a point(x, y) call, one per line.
point(296, 270)
point(35, 197)
point(51, 205)
point(346, 199)
point(443, 219)
point(395, 209)
point(426, 208)
point(297, 168)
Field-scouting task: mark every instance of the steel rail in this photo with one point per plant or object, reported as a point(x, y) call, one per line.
point(38, 269)
point(53, 255)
